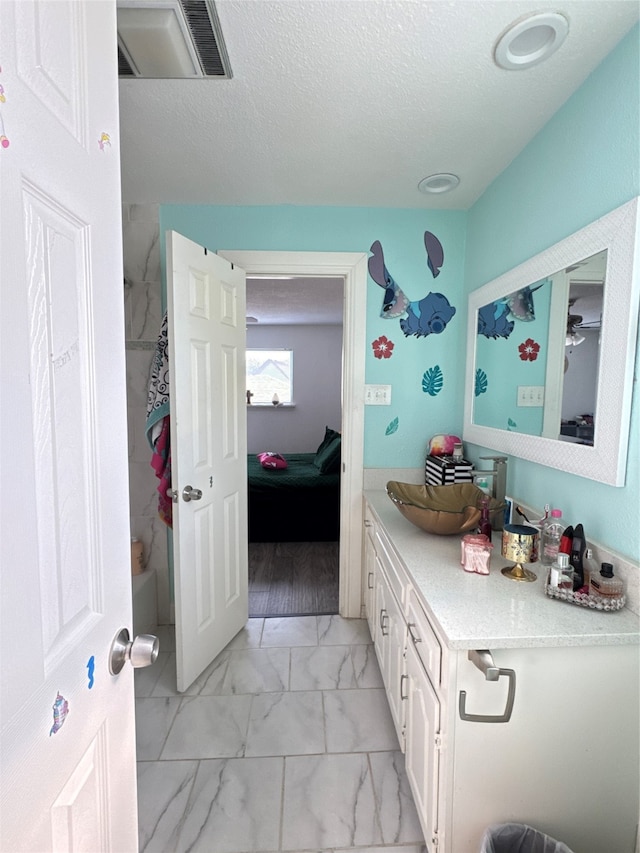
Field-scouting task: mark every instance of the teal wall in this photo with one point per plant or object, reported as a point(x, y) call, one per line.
point(584, 163)
point(401, 233)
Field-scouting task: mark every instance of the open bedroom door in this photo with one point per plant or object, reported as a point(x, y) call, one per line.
point(206, 320)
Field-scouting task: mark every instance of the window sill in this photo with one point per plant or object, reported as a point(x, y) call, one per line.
point(271, 406)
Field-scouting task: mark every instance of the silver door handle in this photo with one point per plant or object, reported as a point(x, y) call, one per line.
point(402, 680)
point(142, 651)
point(191, 494)
point(415, 638)
point(384, 618)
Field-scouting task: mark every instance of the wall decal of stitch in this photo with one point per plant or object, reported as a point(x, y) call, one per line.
point(60, 712)
point(432, 381)
point(520, 303)
point(511, 425)
point(419, 318)
point(382, 347)
point(493, 321)
point(91, 666)
point(482, 382)
point(104, 141)
point(529, 350)
point(393, 427)
point(435, 253)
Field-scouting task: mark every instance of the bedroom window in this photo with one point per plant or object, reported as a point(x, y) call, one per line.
point(269, 373)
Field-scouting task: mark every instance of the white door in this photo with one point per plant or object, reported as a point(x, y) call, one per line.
point(68, 735)
point(206, 300)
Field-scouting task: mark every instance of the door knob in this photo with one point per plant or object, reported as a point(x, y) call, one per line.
point(142, 651)
point(191, 494)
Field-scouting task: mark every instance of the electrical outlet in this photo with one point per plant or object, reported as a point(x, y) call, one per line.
point(377, 395)
point(530, 395)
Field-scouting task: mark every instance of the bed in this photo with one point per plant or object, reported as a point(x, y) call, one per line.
point(300, 503)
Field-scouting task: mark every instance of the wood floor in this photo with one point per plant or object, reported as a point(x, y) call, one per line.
point(293, 578)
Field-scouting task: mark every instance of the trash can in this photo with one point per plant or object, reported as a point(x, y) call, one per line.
point(519, 838)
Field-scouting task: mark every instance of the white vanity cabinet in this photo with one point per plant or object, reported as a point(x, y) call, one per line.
point(566, 760)
point(391, 629)
point(423, 742)
point(368, 574)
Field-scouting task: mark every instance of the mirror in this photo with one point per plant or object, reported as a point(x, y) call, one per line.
point(537, 355)
point(549, 403)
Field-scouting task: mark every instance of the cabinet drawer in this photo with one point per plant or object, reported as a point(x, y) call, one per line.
point(396, 576)
point(425, 642)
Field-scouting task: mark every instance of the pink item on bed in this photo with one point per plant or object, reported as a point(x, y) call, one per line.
point(272, 460)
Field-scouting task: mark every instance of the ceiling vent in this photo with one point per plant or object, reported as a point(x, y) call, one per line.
point(170, 39)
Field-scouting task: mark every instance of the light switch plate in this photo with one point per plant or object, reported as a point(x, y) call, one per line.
point(377, 395)
point(530, 395)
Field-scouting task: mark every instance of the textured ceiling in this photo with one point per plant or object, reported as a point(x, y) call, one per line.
point(353, 102)
point(307, 301)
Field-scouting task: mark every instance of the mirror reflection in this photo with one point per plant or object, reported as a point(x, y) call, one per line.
point(538, 353)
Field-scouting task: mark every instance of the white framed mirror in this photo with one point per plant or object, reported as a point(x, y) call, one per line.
point(529, 361)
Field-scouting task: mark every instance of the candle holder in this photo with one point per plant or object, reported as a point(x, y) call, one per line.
point(520, 544)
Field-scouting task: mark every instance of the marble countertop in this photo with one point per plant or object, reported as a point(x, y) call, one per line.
point(490, 611)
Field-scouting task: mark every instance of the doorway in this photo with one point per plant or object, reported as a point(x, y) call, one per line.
point(294, 343)
point(352, 268)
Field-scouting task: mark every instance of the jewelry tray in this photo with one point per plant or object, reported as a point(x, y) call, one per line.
point(586, 599)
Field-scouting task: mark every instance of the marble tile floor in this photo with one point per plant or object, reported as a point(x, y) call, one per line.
point(285, 743)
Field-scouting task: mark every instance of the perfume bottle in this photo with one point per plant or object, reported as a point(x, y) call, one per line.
point(604, 583)
point(561, 573)
point(484, 527)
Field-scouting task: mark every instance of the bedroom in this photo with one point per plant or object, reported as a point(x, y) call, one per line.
point(302, 320)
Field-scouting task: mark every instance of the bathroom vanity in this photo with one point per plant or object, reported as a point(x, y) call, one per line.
point(509, 705)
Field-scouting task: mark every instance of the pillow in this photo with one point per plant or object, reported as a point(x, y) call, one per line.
point(268, 459)
point(327, 459)
point(328, 435)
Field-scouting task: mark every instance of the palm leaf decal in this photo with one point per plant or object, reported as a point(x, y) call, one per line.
point(432, 381)
point(481, 382)
point(393, 427)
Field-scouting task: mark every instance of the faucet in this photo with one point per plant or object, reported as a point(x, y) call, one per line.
point(498, 476)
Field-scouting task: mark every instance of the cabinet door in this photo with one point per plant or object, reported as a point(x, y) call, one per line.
point(390, 645)
point(368, 580)
point(422, 739)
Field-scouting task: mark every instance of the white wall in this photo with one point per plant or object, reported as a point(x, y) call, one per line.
point(579, 390)
point(317, 374)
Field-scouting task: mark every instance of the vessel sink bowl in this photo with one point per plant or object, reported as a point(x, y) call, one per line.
point(444, 510)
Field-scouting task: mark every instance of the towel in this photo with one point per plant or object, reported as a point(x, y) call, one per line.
point(157, 425)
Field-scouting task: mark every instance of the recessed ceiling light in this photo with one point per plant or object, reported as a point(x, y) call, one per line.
point(439, 183)
point(530, 41)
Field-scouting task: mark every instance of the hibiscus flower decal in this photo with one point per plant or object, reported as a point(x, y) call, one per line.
point(383, 347)
point(529, 350)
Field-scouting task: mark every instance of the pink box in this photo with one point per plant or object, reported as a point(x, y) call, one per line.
point(475, 553)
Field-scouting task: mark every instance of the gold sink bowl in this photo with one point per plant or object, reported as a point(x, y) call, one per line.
point(444, 510)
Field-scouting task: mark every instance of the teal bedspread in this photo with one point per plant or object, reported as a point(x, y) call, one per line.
point(294, 504)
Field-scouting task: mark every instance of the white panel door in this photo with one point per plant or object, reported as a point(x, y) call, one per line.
point(206, 299)
point(68, 735)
